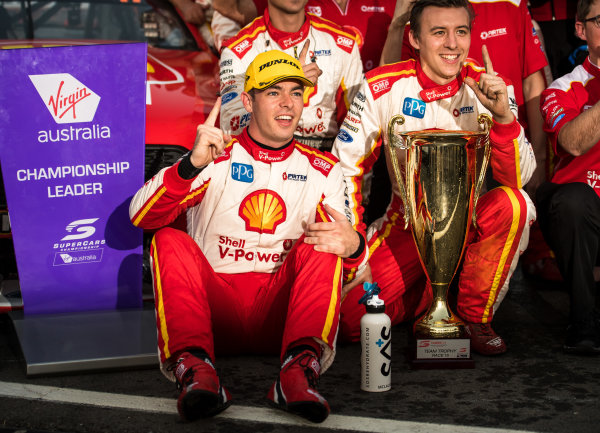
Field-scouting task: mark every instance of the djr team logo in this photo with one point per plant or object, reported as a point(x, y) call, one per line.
point(67, 99)
point(82, 229)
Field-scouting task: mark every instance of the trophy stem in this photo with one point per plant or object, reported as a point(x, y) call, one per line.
point(439, 321)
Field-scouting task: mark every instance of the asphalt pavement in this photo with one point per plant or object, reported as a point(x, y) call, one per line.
point(534, 387)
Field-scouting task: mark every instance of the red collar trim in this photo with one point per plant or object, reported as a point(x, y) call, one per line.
point(264, 154)
point(591, 68)
point(433, 91)
point(285, 39)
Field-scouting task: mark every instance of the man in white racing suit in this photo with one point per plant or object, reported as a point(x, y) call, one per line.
point(440, 90)
point(260, 267)
point(328, 54)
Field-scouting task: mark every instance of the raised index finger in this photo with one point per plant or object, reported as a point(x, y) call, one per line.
point(487, 62)
point(211, 119)
point(304, 51)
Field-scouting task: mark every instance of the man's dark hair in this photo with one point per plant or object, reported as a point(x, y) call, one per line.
point(420, 5)
point(583, 9)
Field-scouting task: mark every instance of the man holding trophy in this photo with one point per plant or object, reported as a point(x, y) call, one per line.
point(440, 90)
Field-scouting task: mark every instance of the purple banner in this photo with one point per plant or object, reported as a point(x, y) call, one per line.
point(72, 156)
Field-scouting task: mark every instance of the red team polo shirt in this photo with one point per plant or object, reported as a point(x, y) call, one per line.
point(505, 27)
point(561, 102)
point(369, 19)
point(554, 10)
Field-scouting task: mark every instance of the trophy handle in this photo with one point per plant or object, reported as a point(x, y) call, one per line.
point(393, 143)
point(486, 121)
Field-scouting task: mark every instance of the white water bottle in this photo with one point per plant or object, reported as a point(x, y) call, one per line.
point(376, 342)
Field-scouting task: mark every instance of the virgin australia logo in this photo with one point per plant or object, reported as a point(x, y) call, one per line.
point(66, 98)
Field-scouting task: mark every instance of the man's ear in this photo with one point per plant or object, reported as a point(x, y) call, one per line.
point(247, 101)
point(580, 30)
point(414, 41)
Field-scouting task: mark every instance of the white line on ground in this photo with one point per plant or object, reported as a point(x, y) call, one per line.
point(235, 412)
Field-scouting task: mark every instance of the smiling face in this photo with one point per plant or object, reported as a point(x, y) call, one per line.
point(276, 112)
point(443, 42)
point(590, 32)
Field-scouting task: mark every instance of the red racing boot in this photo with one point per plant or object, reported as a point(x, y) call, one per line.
point(484, 339)
point(201, 393)
point(296, 388)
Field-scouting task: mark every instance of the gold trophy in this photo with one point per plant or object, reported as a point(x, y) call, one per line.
point(439, 182)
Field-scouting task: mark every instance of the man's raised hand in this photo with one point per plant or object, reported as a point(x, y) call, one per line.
point(311, 70)
point(492, 91)
point(210, 140)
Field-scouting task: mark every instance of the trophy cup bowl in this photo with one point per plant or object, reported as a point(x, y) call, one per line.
point(443, 175)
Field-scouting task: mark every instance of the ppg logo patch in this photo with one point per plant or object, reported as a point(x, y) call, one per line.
point(242, 172)
point(344, 136)
point(414, 108)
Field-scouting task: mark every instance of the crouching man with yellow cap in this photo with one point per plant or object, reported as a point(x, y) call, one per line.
point(260, 267)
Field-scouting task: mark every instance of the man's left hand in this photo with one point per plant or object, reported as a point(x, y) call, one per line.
point(491, 91)
point(337, 237)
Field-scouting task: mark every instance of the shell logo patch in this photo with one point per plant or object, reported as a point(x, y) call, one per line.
point(263, 211)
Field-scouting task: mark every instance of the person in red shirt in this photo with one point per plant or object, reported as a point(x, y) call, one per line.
point(569, 205)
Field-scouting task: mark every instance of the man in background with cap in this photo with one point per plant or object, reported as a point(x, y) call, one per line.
point(260, 268)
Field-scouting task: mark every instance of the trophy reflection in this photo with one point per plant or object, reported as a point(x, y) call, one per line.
point(439, 174)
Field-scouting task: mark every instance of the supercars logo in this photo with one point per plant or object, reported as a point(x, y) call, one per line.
point(66, 98)
point(263, 211)
point(82, 228)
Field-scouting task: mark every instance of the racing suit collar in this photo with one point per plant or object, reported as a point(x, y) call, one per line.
point(263, 153)
point(433, 91)
point(284, 39)
point(591, 68)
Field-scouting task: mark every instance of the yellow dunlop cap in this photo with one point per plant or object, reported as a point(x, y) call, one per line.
point(272, 67)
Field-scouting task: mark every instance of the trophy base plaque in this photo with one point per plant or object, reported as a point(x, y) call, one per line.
point(440, 353)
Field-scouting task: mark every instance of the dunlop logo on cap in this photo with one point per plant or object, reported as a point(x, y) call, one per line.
point(277, 62)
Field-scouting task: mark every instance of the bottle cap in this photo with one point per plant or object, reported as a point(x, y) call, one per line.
point(375, 305)
point(371, 299)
